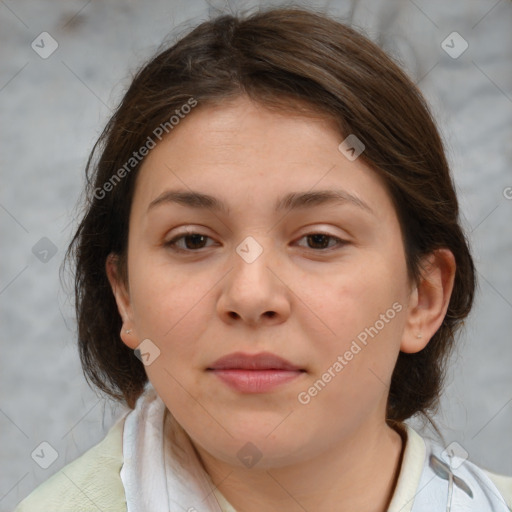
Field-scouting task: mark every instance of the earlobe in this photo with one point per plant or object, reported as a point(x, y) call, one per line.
point(122, 298)
point(429, 300)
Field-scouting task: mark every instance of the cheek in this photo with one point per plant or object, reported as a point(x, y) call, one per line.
point(360, 312)
point(359, 294)
point(352, 365)
point(174, 310)
point(162, 297)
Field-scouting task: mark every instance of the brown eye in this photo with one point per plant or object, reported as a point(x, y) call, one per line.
point(192, 241)
point(320, 241)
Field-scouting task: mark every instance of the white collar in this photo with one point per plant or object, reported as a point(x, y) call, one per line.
point(410, 472)
point(160, 469)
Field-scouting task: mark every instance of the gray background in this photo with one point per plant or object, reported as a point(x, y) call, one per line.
point(52, 111)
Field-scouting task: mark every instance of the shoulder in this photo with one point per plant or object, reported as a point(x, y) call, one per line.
point(425, 474)
point(474, 487)
point(91, 482)
point(503, 484)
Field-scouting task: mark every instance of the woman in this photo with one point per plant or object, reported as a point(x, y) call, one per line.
point(270, 274)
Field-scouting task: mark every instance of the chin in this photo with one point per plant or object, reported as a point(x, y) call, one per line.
point(274, 449)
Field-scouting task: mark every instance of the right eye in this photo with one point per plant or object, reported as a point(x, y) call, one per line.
point(192, 241)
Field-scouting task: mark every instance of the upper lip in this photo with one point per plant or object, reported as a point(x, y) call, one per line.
point(261, 361)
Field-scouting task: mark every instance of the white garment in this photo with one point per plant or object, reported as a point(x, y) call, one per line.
point(162, 471)
point(158, 474)
point(454, 485)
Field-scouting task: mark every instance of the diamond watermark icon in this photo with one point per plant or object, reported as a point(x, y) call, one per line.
point(352, 147)
point(249, 455)
point(147, 352)
point(454, 45)
point(44, 455)
point(44, 45)
point(44, 250)
point(249, 249)
point(454, 454)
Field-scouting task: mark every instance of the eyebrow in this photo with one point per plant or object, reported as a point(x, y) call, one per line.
point(291, 201)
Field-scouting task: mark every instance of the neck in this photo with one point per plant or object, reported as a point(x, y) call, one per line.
point(359, 473)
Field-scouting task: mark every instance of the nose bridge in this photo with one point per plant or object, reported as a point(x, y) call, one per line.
point(252, 290)
point(250, 249)
point(253, 256)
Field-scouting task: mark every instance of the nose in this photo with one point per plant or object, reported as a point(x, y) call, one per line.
point(255, 291)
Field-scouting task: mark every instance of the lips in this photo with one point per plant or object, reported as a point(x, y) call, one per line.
point(257, 373)
point(261, 361)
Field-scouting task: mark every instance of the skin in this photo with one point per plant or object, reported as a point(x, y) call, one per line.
point(301, 301)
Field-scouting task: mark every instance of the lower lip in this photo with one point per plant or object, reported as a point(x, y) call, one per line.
point(256, 381)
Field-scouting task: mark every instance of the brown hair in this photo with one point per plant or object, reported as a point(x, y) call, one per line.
point(283, 58)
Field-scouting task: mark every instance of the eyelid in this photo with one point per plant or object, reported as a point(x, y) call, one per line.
point(172, 243)
point(340, 242)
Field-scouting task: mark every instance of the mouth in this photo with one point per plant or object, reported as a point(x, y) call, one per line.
point(258, 373)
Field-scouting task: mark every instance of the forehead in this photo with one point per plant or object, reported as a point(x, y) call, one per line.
point(244, 152)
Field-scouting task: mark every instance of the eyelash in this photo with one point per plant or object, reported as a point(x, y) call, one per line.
point(172, 243)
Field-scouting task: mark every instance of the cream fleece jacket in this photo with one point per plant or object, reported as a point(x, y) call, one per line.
point(92, 482)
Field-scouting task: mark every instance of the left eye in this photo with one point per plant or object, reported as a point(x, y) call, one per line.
point(194, 241)
point(321, 240)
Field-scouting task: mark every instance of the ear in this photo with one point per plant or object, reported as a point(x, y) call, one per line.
point(122, 297)
point(429, 300)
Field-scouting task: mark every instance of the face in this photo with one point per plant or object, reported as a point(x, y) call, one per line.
point(319, 283)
